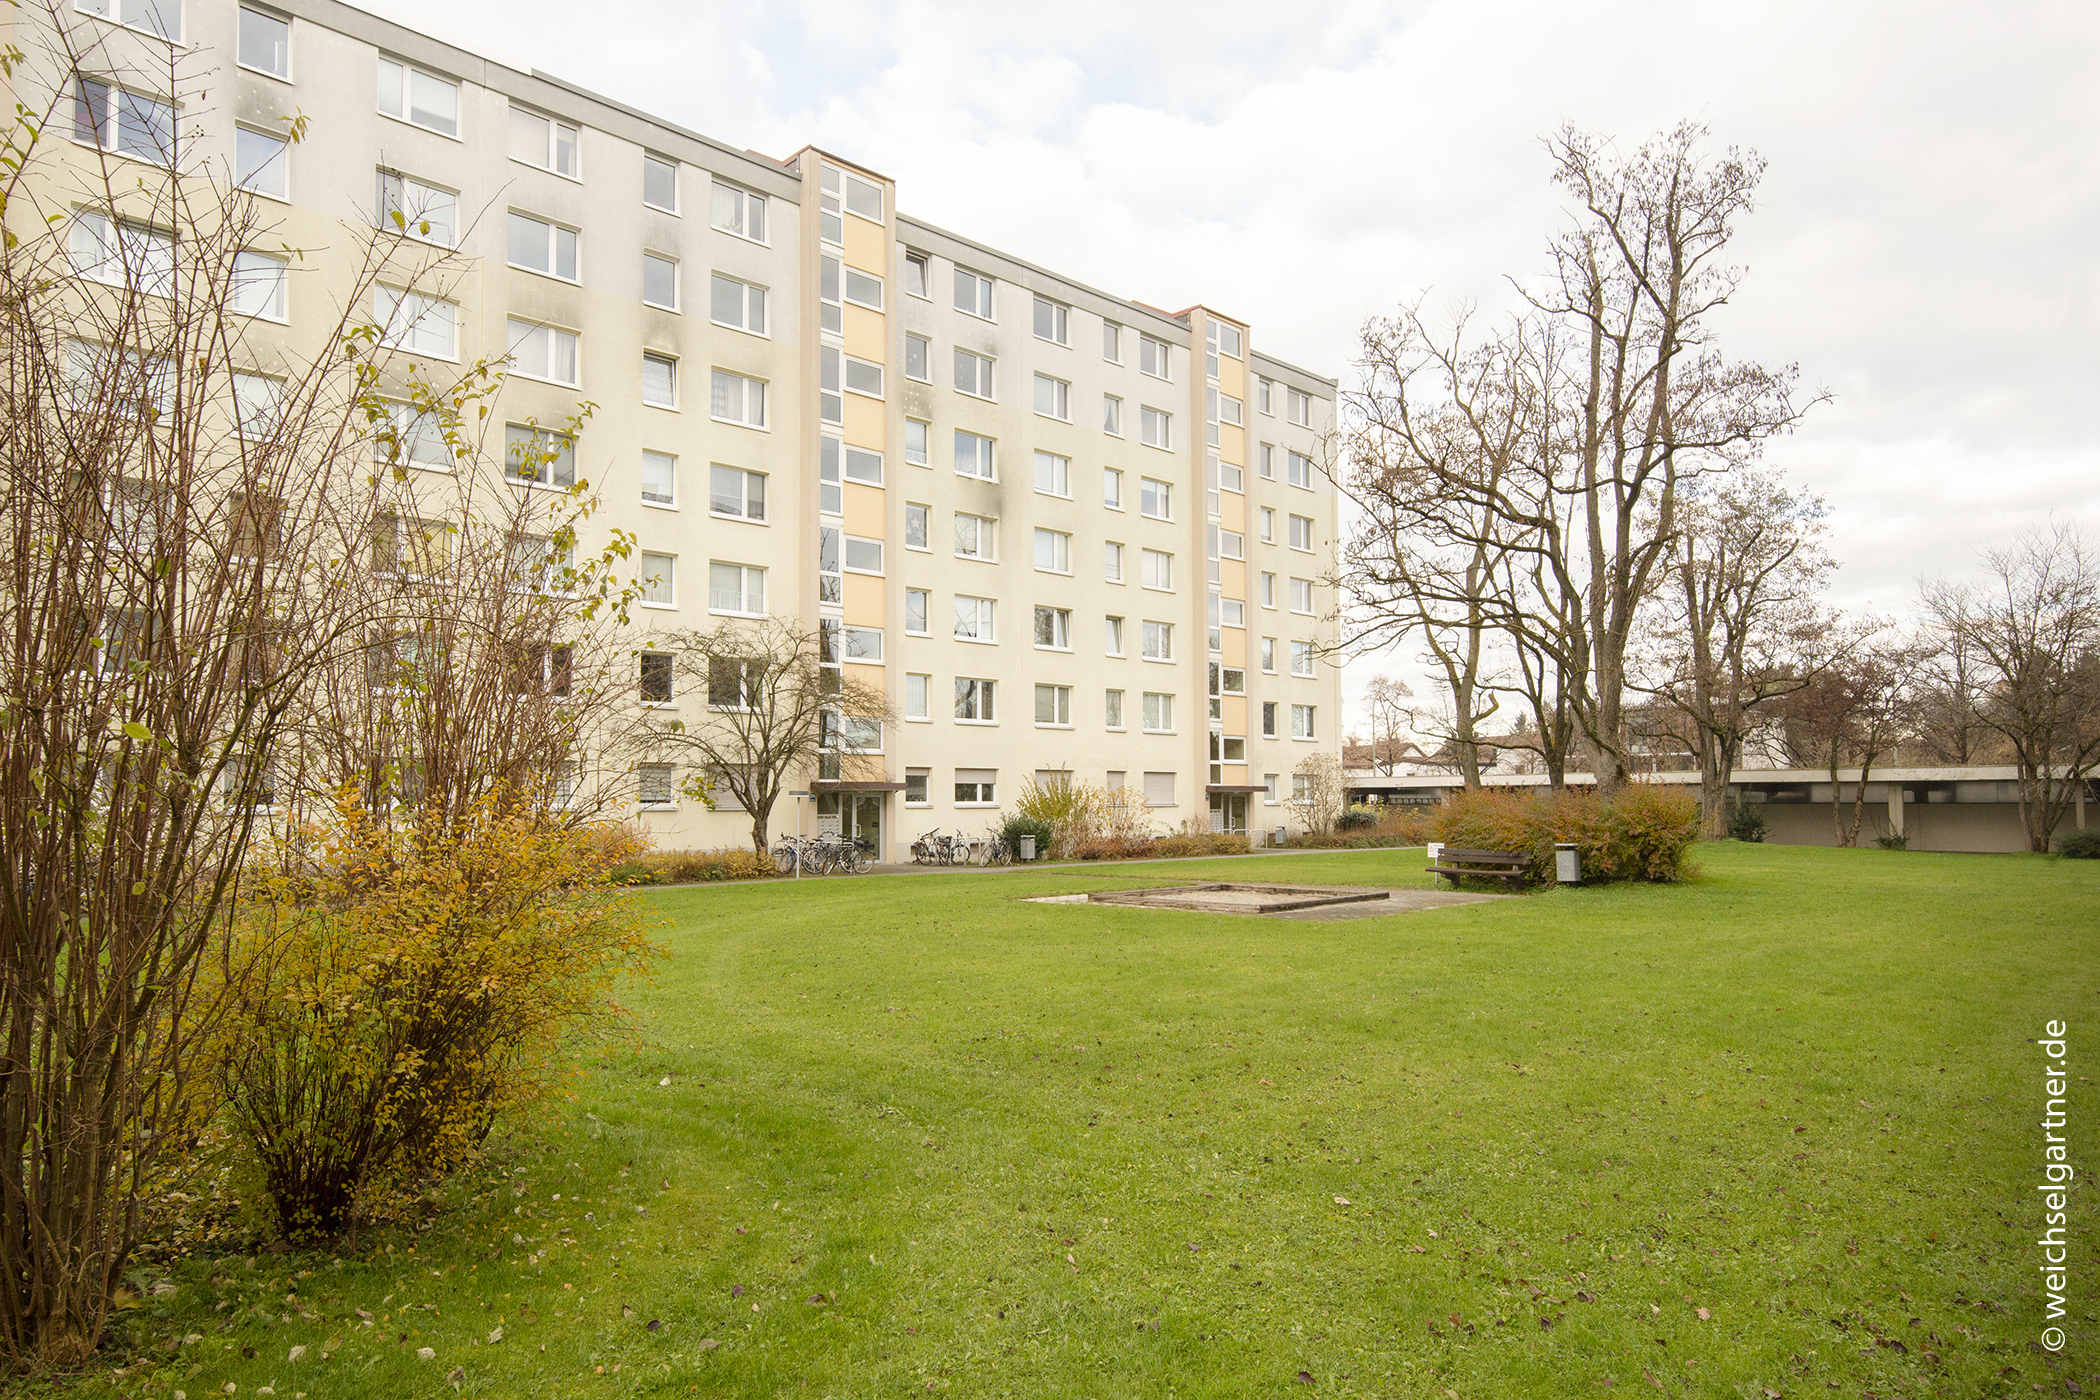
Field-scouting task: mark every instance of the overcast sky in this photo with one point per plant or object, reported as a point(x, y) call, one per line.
point(1925, 247)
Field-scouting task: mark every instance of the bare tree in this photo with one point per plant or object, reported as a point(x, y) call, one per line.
point(1385, 699)
point(1741, 622)
point(778, 704)
point(1649, 402)
point(1852, 713)
point(186, 494)
point(2029, 635)
point(1319, 792)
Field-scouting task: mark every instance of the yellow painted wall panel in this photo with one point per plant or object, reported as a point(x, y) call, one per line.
point(866, 424)
point(863, 600)
point(1235, 708)
point(1232, 444)
point(1232, 577)
point(1232, 374)
point(865, 511)
point(1234, 646)
point(867, 246)
point(867, 335)
point(1232, 510)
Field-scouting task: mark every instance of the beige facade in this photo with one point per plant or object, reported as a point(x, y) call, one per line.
point(1062, 530)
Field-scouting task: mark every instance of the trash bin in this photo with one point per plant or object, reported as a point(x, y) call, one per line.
point(1028, 847)
point(1282, 837)
point(1567, 864)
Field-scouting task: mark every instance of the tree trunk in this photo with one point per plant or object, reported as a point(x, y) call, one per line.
point(761, 815)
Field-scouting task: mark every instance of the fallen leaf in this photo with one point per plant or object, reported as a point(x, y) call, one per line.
point(425, 1354)
point(497, 1335)
point(458, 1375)
point(708, 1344)
point(1341, 1200)
point(297, 1352)
point(655, 1326)
point(1702, 1314)
point(1194, 1248)
point(664, 1083)
point(816, 1300)
point(1269, 1083)
point(736, 1290)
point(1305, 1378)
point(1649, 1376)
point(1581, 1297)
point(626, 1310)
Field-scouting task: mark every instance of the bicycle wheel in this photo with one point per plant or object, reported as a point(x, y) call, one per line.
point(784, 857)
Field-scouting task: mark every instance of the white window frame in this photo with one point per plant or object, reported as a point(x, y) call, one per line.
point(747, 200)
point(669, 164)
point(1307, 610)
point(676, 266)
point(660, 572)
point(1112, 560)
point(1156, 570)
point(1060, 321)
point(983, 372)
point(1112, 415)
point(411, 203)
point(990, 455)
point(983, 619)
point(745, 384)
point(670, 363)
point(984, 303)
point(1060, 697)
point(923, 713)
point(984, 699)
point(924, 345)
point(552, 241)
point(1156, 427)
point(1157, 641)
point(284, 75)
point(1060, 628)
point(922, 514)
point(550, 131)
point(559, 343)
point(281, 160)
point(746, 573)
point(408, 73)
point(1059, 392)
point(1156, 712)
point(1302, 659)
point(1152, 348)
point(1112, 636)
point(925, 599)
point(1301, 525)
point(1162, 495)
point(389, 308)
point(1060, 546)
point(745, 477)
point(1058, 470)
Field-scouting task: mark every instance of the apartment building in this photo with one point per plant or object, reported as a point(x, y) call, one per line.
point(1061, 530)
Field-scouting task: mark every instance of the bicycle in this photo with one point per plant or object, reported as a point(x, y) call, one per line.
point(995, 850)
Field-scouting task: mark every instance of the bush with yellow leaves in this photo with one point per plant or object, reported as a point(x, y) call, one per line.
point(404, 985)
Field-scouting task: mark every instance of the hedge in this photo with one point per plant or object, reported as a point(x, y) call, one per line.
point(1644, 833)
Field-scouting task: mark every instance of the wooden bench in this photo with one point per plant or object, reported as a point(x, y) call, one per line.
point(1488, 865)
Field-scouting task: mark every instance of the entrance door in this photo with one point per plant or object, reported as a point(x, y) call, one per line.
point(858, 814)
point(1228, 812)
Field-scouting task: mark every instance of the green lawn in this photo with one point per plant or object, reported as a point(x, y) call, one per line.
point(1770, 1132)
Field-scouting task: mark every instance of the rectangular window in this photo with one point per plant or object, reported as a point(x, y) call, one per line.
point(1053, 321)
point(975, 619)
point(536, 456)
point(1301, 658)
point(1268, 590)
point(863, 555)
point(915, 785)
point(1155, 357)
point(1268, 525)
point(262, 163)
point(1112, 709)
point(737, 399)
point(416, 439)
point(862, 644)
point(265, 43)
point(1111, 415)
point(659, 576)
point(539, 246)
point(1159, 641)
point(420, 211)
point(1268, 655)
point(1155, 428)
point(973, 373)
point(1112, 561)
point(1299, 408)
point(1263, 389)
point(1301, 470)
point(1302, 721)
point(1268, 719)
point(1053, 474)
point(973, 455)
point(734, 492)
point(917, 438)
point(659, 380)
point(1112, 636)
point(1112, 488)
point(419, 98)
point(1053, 628)
point(1159, 712)
point(124, 122)
point(1112, 342)
point(1230, 410)
point(975, 537)
point(831, 584)
point(1053, 703)
point(1053, 398)
point(973, 293)
point(1232, 613)
point(544, 142)
point(1155, 498)
point(918, 528)
point(736, 588)
point(660, 480)
point(654, 786)
point(918, 612)
point(419, 324)
point(1301, 595)
point(542, 352)
point(255, 403)
point(918, 357)
point(660, 283)
point(739, 211)
point(1301, 533)
point(739, 305)
point(1268, 461)
point(973, 786)
point(918, 274)
point(1156, 569)
point(973, 701)
point(258, 286)
point(656, 677)
point(1053, 551)
point(660, 182)
point(1232, 545)
point(863, 289)
point(1231, 477)
point(918, 701)
point(863, 377)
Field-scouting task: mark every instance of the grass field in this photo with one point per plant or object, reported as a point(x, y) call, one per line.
point(1771, 1132)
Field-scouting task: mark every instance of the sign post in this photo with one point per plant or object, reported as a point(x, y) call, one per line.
point(798, 794)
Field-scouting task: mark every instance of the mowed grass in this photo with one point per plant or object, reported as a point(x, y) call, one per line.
point(1772, 1131)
